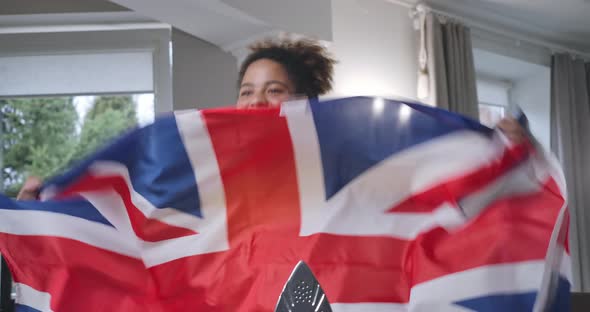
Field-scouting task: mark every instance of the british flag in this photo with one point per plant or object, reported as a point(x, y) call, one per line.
point(394, 206)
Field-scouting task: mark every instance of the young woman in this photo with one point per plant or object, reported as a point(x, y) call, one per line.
point(276, 71)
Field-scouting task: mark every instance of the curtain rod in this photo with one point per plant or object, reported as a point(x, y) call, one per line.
point(552, 47)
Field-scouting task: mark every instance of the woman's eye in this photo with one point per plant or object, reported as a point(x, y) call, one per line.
point(246, 93)
point(276, 91)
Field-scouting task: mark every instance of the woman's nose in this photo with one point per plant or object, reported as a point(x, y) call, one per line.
point(259, 101)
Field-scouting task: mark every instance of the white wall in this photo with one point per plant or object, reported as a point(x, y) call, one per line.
point(493, 92)
point(533, 95)
point(376, 46)
point(203, 75)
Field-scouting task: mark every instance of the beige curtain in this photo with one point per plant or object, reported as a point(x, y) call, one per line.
point(570, 141)
point(447, 73)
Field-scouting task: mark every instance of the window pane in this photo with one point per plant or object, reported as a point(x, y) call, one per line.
point(43, 136)
point(490, 115)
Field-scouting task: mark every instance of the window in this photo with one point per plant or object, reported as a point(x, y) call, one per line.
point(490, 114)
point(493, 96)
point(42, 136)
point(66, 93)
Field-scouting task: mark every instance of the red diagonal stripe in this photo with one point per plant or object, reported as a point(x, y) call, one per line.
point(512, 229)
point(461, 186)
point(147, 229)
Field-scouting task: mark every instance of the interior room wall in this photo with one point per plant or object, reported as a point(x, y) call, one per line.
point(533, 94)
point(376, 46)
point(203, 75)
point(493, 92)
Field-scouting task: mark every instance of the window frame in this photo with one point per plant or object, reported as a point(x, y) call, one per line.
point(156, 40)
point(106, 34)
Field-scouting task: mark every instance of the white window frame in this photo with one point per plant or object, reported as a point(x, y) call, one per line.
point(108, 33)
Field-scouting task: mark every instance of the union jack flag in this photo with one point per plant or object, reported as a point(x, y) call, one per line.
point(394, 206)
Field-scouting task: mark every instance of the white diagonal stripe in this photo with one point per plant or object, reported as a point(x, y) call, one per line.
point(43, 223)
point(481, 281)
point(384, 185)
point(203, 159)
point(33, 298)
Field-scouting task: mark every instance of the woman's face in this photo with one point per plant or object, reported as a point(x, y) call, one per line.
point(265, 84)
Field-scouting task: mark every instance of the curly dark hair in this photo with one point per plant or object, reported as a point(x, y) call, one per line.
point(309, 65)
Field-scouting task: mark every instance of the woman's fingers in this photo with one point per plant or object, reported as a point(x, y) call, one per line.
point(30, 189)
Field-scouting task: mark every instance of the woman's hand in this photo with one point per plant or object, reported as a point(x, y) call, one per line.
point(512, 130)
point(30, 190)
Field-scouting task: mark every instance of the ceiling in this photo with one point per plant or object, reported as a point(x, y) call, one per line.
point(230, 23)
point(563, 22)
